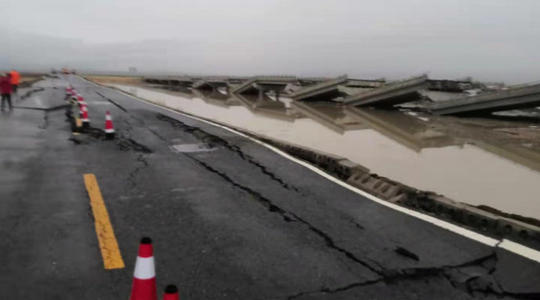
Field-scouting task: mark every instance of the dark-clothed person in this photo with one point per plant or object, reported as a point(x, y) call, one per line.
point(6, 90)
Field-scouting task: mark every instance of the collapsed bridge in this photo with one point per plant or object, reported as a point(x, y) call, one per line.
point(439, 97)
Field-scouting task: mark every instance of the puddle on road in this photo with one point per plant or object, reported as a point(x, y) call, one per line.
point(411, 149)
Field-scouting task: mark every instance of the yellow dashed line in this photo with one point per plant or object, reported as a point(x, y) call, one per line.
point(112, 259)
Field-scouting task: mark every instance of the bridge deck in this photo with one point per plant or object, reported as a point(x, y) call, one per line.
point(522, 96)
point(390, 94)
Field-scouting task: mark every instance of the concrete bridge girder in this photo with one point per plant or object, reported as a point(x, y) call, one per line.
point(341, 86)
point(390, 94)
point(263, 88)
point(209, 85)
point(265, 82)
point(310, 81)
point(365, 83)
point(513, 98)
point(321, 90)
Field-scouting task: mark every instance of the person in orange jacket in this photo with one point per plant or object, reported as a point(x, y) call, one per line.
point(15, 80)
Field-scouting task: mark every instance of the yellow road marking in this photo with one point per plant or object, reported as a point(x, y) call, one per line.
point(112, 259)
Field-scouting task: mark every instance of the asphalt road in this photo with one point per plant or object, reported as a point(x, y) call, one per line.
point(230, 219)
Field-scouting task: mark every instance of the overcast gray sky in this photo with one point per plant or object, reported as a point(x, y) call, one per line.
point(486, 39)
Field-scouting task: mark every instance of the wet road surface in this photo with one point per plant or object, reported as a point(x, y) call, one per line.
point(230, 219)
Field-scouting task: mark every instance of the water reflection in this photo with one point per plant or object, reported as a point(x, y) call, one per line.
point(411, 149)
point(266, 106)
point(216, 98)
point(409, 131)
point(329, 115)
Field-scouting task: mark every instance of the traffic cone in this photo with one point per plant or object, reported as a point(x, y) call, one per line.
point(85, 120)
point(109, 128)
point(80, 99)
point(144, 277)
point(76, 125)
point(74, 96)
point(171, 293)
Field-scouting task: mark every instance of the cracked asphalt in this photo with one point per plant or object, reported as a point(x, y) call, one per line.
point(230, 219)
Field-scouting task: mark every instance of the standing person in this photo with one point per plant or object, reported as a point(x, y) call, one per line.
point(6, 89)
point(15, 80)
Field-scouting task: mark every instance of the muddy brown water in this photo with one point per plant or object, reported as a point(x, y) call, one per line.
point(405, 147)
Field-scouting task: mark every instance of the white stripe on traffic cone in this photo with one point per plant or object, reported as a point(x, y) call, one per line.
point(109, 128)
point(144, 277)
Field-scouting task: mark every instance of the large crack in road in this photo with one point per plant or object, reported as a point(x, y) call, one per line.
point(213, 140)
point(387, 276)
point(113, 102)
point(142, 164)
point(457, 275)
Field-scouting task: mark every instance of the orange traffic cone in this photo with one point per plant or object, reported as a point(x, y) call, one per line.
point(144, 278)
point(109, 128)
point(85, 120)
point(171, 293)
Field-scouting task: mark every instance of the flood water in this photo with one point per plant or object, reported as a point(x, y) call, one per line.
point(400, 146)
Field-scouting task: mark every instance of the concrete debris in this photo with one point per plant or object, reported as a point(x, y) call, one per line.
point(390, 94)
point(514, 97)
